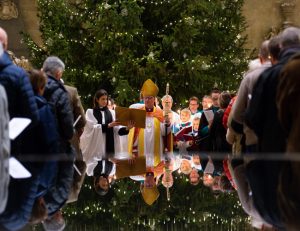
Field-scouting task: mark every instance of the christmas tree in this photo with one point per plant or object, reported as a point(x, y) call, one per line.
point(116, 45)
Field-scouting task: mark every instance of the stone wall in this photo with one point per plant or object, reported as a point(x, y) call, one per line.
point(268, 17)
point(263, 18)
point(18, 16)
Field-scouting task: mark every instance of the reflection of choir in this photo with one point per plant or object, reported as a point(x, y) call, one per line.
point(254, 121)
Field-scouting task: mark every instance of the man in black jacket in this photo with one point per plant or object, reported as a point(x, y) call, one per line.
point(56, 94)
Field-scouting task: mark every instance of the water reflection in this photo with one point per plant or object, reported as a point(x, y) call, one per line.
point(187, 207)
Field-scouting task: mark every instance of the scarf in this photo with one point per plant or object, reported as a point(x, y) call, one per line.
point(109, 145)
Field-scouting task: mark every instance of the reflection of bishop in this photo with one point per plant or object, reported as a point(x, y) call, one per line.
point(8, 10)
point(149, 141)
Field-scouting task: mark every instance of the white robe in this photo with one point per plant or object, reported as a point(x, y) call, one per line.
point(92, 141)
point(149, 138)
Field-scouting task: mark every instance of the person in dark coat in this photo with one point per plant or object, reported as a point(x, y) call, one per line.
point(20, 96)
point(287, 98)
point(262, 117)
point(42, 139)
point(204, 138)
point(21, 103)
point(56, 94)
point(262, 113)
point(217, 131)
point(38, 142)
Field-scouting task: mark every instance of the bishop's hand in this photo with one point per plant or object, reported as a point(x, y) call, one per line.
point(130, 125)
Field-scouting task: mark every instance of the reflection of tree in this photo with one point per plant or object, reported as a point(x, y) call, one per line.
point(191, 207)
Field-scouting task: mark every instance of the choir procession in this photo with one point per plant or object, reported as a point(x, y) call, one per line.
point(244, 142)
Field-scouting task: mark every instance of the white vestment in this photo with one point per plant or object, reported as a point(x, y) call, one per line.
point(92, 141)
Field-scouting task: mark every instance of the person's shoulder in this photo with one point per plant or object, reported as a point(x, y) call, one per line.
point(53, 85)
point(112, 112)
point(176, 115)
point(271, 70)
point(255, 73)
point(70, 89)
point(269, 75)
point(40, 99)
point(262, 79)
point(19, 71)
point(51, 82)
point(13, 71)
point(158, 109)
point(219, 113)
point(89, 111)
point(6, 63)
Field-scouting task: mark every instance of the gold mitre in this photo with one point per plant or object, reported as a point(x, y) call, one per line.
point(149, 88)
point(150, 195)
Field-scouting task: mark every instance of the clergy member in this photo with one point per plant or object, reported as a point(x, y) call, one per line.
point(148, 141)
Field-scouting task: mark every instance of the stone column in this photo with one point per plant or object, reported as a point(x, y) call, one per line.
point(8, 10)
point(287, 9)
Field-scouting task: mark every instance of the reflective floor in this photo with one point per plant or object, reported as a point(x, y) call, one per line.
point(188, 208)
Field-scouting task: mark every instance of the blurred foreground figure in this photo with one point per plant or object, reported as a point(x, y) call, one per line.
point(289, 116)
point(262, 116)
point(4, 149)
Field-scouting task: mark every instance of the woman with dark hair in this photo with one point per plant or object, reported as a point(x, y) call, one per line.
point(100, 141)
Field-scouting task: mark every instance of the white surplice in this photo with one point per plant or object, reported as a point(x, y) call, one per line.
point(92, 141)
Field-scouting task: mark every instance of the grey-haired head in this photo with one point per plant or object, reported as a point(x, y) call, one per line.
point(54, 66)
point(167, 97)
point(290, 37)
